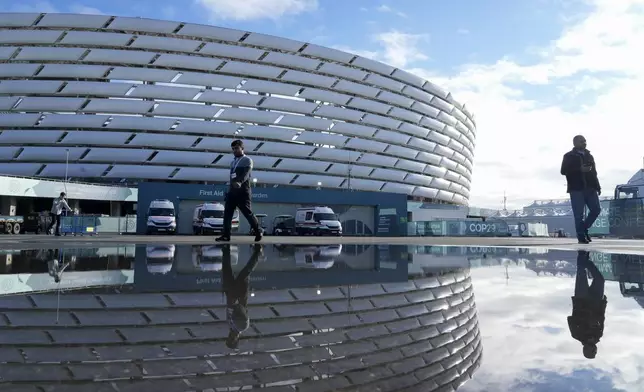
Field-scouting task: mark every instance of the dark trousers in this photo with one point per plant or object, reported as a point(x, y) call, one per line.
point(579, 200)
point(240, 200)
point(55, 221)
point(593, 291)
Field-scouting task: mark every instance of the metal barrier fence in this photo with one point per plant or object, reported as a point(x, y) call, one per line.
point(459, 228)
point(74, 225)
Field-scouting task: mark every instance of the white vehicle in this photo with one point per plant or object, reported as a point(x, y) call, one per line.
point(210, 257)
point(319, 257)
point(209, 218)
point(159, 258)
point(317, 221)
point(161, 217)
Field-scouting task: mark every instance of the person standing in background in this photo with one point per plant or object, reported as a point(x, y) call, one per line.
point(578, 166)
point(57, 211)
point(239, 193)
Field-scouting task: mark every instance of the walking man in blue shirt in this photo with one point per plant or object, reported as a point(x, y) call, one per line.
point(578, 166)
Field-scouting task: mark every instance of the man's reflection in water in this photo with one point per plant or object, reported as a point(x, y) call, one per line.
point(54, 264)
point(588, 306)
point(237, 290)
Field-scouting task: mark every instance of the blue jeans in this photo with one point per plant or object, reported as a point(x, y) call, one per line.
point(579, 200)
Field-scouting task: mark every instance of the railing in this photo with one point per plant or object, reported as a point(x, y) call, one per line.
point(112, 225)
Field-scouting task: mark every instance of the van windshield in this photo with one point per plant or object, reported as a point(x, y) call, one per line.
point(161, 212)
point(212, 214)
point(326, 217)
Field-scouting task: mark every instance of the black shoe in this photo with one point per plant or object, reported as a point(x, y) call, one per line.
point(582, 241)
point(223, 238)
point(587, 236)
point(258, 235)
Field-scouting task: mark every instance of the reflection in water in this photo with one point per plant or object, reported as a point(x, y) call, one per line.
point(588, 305)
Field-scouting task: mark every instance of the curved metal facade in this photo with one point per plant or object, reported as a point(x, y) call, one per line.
point(131, 98)
point(420, 335)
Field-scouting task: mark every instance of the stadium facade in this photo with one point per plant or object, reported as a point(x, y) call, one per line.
point(119, 100)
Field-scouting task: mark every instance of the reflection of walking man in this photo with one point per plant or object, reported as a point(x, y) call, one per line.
point(578, 166)
point(588, 306)
point(237, 290)
point(239, 193)
point(56, 212)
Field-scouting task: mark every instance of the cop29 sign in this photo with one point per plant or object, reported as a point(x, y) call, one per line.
point(489, 228)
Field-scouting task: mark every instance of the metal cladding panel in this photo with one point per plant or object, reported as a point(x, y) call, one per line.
point(433, 124)
point(73, 121)
point(230, 98)
point(29, 86)
point(373, 65)
point(72, 20)
point(422, 191)
point(406, 115)
point(342, 71)
point(207, 127)
point(342, 169)
point(205, 31)
point(444, 151)
point(429, 158)
point(98, 138)
point(271, 41)
point(29, 36)
point(369, 105)
point(202, 174)
point(170, 141)
point(336, 154)
point(259, 162)
point(408, 78)
point(7, 153)
point(438, 137)
point(322, 138)
point(6, 103)
point(286, 149)
point(381, 121)
point(248, 115)
point(210, 80)
point(291, 61)
point(188, 62)
point(325, 96)
point(50, 54)
point(18, 120)
point(47, 104)
point(303, 165)
point(262, 71)
point(18, 70)
point(274, 133)
point(145, 25)
point(128, 155)
point(30, 136)
point(270, 177)
point(435, 90)
point(305, 122)
point(377, 160)
point(419, 179)
point(391, 137)
point(163, 92)
point(6, 52)
point(447, 119)
point(328, 53)
point(333, 112)
point(73, 71)
point(319, 180)
point(96, 89)
point(442, 104)
point(366, 185)
point(412, 166)
point(231, 51)
point(18, 19)
point(19, 169)
point(435, 171)
point(180, 157)
point(264, 86)
point(425, 109)
point(143, 74)
point(125, 106)
point(400, 151)
point(165, 43)
point(387, 83)
point(73, 170)
point(119, 56)
point(388, 174)
point(95, 38)
point(185, 110)
point(357, 89)
point(440, 183)
point(396, 99)
point(141, 171)
point(395, 187)
point(422, 145)
point(46, 154)
point(289, 105)
point(353, 129)
point(219, 144)
point(308, 79)
point(141, 123)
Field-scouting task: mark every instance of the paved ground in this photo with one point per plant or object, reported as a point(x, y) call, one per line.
point(28, 241)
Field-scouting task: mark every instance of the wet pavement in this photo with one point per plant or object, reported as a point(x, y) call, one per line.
point(310, 317)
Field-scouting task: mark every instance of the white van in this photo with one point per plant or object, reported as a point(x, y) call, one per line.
point(317, 221)
point(210, 257)
point(161, 217)
point(209, 218)
point(318, 257)
point(159, 258)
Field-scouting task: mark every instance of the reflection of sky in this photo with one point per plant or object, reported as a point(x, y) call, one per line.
point(527, 345)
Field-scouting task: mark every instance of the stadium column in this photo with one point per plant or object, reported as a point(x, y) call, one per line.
point(115, 208)
point(8, 205)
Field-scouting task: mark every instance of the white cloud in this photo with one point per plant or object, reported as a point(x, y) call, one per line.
point(256, 9)
point(386, 8)
point(522, 135)
point(463, 31)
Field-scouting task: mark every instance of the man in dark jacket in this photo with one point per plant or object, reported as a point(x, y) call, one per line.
point(583, 186)
point(239, 193)
point(586, 323)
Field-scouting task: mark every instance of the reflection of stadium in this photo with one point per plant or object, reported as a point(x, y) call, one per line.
point(421, 334)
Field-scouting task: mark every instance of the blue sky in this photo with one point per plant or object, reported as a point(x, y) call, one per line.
point(535, 72)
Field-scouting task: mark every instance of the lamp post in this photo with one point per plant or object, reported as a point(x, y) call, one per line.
point(66, 167)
